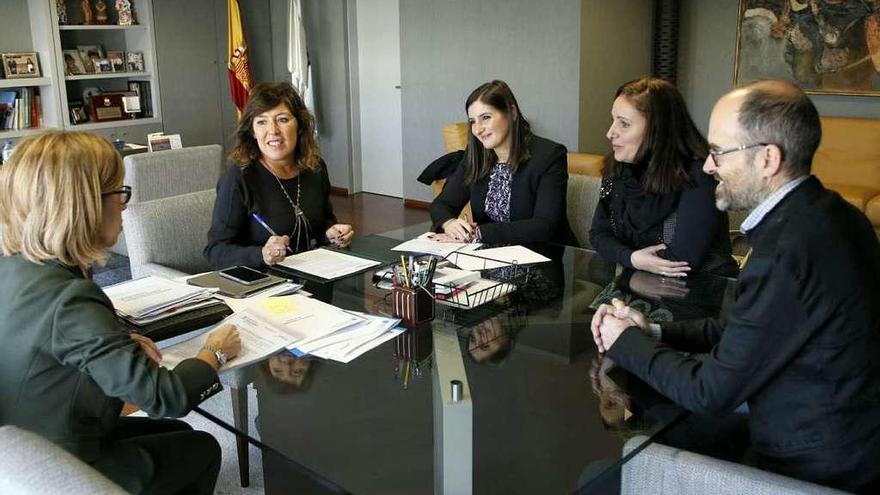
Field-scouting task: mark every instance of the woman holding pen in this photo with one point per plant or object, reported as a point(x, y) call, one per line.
point(516, 181)
point(275, 199)
point(67, 364)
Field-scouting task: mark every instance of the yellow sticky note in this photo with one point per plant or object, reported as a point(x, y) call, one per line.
point(279, 305)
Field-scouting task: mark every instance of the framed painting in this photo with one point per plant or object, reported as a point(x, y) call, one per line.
point(823, 46)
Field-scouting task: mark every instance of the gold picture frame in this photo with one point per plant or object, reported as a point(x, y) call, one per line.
point(23, 65)
point(825, 48)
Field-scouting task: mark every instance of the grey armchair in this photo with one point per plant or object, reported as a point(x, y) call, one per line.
point(583, 196)
point(166, 238)
point(664, 470)
point(170, 173)
point(33, 465)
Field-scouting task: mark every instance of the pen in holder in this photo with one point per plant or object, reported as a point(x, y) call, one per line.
point(413, 306)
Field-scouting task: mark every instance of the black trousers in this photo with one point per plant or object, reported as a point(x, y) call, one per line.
point(160, 456)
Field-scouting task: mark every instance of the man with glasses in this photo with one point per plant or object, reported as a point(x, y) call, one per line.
point(801, 345)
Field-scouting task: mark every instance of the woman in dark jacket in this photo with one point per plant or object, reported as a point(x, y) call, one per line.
point(515, 181)
point(67, 365)
point(278, 182)
point(657, 209)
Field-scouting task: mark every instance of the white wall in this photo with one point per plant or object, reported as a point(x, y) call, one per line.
point(450, 47)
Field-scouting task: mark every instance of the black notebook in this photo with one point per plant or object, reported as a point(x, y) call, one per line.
point(181, 323)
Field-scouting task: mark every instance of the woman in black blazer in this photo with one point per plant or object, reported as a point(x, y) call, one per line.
point(516, 181)
point(656, 208)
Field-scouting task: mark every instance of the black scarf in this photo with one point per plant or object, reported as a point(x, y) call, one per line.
point(636, 216)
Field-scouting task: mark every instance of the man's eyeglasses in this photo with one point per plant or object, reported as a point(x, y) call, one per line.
point(125, 192)
point(717, 153)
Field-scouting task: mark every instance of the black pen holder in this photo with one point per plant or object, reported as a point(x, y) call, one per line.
point(413, 306)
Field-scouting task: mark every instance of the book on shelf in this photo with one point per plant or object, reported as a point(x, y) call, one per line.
point(145, 95)
point(20, 109)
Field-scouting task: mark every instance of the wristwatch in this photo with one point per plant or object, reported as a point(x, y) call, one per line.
point(221, 356)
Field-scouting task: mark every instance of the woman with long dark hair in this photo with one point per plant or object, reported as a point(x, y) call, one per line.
point(657, 209)
point(278, 181)
point(515, 181)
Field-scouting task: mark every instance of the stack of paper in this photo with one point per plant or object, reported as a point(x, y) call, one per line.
point(486, 259)
point(327, 264)
point(426, 245)
point(150, 299)
point(346, 344)
point(301, 318)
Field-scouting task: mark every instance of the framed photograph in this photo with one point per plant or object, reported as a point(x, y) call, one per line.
point(826, 48)
point(73, 64)
point(117, 60)
point(135, 61)
point(78, 113)
point(160, 142)
point(88, 53)
point(102, 65)
point(20, 65)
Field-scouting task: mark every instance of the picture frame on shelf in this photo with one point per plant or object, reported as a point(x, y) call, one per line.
point(20, 65)
point(88, 53)
point(135, 61)
point(124, 16)
point(102, 65)
point(73, 64)
point(78, 114)
point(117, 60)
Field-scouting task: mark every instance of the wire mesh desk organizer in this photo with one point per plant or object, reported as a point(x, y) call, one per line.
point(498, 278)
point(412, 292)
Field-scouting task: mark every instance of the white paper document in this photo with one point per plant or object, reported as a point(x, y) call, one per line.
point(349, 343)
point(147, 297)
point(486, 259)
point(476, 293)
point(423, 244)
point(303, 319)
point(327, 264)
point(259, 339)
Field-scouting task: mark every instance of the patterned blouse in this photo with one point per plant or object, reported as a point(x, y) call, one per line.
point(498, 197)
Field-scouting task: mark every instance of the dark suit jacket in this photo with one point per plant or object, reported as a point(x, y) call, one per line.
point(538, 195)
point(66, 365)
point(801, 345)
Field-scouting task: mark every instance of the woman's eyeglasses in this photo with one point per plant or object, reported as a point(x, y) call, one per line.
point(125, 192)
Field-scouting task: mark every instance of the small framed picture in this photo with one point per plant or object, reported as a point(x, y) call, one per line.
point(102, 65)
point(78, 113)
point(73, 65)
point(117, 60)
point(20, 65)
point(135, 61)
point(88, 53)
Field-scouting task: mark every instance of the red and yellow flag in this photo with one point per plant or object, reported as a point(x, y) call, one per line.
point(239, 69)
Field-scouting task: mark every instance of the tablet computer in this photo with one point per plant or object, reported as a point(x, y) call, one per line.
point(231, 288)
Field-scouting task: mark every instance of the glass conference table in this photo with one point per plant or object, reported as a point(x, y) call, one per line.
point(540, 410)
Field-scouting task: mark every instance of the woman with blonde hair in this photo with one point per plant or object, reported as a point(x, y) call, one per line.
point(275, 198)
point(67, 364)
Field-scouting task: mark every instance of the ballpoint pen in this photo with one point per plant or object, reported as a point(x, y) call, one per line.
point(268, 229)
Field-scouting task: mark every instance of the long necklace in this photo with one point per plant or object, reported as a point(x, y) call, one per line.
point(302, 222)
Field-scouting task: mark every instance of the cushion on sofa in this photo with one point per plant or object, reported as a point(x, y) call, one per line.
point(849, 152)
point(873, 211)
point(858, 196)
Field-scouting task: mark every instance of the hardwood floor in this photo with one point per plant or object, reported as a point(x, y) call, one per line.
point(374, 213)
